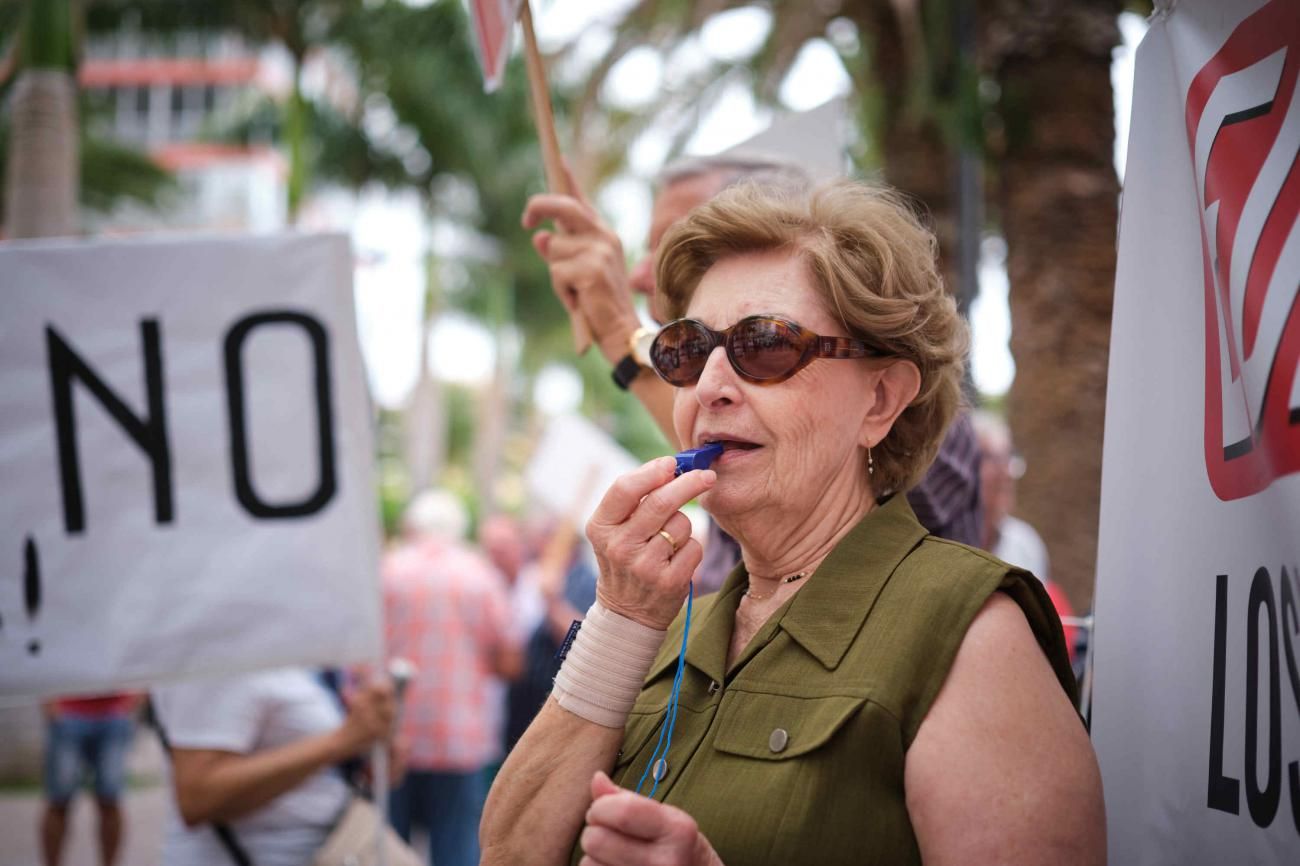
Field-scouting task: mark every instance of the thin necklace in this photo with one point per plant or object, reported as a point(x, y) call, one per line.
point(749, 592)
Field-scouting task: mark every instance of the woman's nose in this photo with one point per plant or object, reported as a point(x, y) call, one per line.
point(718, 381)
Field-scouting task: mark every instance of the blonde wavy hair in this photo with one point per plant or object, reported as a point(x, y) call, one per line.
point(874, 263)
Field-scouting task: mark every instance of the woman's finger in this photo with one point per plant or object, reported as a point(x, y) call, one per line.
point(627, 491)
point(564, 210)
point(653, 511)
point(688, 558)
point(605, 845)
point(542, 243)
point(630, 814)
point(676, 532)
point(594, 252)
point(602, 785)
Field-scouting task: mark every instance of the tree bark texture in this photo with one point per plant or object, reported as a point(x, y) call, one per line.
point(43, 167)
point(1058, 197)
point(916, 156)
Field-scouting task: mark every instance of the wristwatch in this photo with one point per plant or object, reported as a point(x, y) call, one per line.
point(636, 359)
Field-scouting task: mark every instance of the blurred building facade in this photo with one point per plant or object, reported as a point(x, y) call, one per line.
point(168, 94)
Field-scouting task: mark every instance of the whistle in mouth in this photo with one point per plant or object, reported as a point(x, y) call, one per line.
point(697, 458)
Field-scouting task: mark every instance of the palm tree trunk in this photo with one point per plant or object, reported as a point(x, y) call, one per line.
point(425, 419)
point(43, 165)
point(495, 400)
point(917, 157)
point(40, 201)
point(42, 174)
point(1058, 195)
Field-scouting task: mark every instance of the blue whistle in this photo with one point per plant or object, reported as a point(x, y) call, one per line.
point(697, 458)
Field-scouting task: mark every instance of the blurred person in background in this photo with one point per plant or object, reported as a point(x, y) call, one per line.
point(1006, 536)
point(561, 572)
point(587, 258)
point(255, 763)
point(86, 734)
point(860, 690)
point(502, 540)
point(447, 610)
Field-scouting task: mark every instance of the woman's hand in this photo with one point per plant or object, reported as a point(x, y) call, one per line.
point(371, 711)
point(626, 829)
point(644, 575)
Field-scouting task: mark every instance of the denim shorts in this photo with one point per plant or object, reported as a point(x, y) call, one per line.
point(78, 744)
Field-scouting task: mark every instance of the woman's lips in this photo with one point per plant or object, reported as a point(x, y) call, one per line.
point(735, 449)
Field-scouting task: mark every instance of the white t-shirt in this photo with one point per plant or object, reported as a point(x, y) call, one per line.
point(245, 714)
point(1020, 544)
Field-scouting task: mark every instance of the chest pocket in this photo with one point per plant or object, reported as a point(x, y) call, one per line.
point(638, 741)
point(779, 727)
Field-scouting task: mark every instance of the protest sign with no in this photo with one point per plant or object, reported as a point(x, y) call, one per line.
point(185, 448)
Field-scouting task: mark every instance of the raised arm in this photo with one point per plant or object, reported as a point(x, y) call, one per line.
point(1001, 770)
point(535, 809)
point(585, 258)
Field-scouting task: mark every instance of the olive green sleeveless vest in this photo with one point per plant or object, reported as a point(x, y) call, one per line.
point(795, 754)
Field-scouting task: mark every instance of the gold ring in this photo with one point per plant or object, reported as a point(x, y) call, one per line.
point(672, 542)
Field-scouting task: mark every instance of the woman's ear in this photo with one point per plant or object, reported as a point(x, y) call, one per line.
point(896, 388)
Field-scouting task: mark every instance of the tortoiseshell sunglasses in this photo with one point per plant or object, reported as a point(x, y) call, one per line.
point(762, 349)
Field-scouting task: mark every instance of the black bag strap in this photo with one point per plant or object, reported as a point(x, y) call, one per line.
point(225, 835)
point(231, 844)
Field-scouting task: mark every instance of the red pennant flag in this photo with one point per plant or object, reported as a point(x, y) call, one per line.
point(494, 24)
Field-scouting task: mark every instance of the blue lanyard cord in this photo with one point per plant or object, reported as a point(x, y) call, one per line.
point(670, 716)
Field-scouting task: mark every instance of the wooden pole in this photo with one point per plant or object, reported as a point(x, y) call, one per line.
point(553, 163)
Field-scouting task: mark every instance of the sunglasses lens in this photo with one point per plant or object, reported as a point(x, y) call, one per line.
point(766, 348)
point(680, 352)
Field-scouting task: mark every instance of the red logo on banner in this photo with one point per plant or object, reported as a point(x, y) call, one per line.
point(1243, 125)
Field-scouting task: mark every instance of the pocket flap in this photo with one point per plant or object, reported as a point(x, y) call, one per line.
point(777, 727)
point(637, 733)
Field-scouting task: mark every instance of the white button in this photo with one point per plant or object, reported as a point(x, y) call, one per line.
point(713, 686)
point(777, 741)
point(661, 770)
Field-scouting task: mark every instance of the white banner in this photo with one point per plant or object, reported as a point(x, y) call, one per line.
point(1197, 695)
point(186, 449)
point(573, 467)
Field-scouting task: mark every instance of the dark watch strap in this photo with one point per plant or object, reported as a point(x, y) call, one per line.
point(625, 371)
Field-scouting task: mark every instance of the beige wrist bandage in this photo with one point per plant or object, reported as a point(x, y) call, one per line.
point(605, 667)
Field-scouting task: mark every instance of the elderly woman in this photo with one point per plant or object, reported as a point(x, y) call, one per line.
point(858, 691)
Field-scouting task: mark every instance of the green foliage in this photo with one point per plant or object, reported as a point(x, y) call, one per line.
point(420, 63)
point(47, 36)
point(339, 150)
point(474, 157)
point(112, 174)
point(618, 411)
point(462, 414)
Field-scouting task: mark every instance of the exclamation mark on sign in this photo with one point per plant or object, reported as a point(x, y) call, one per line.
point(32, 588)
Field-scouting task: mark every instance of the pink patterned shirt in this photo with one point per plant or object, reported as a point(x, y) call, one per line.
point(446, 610)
